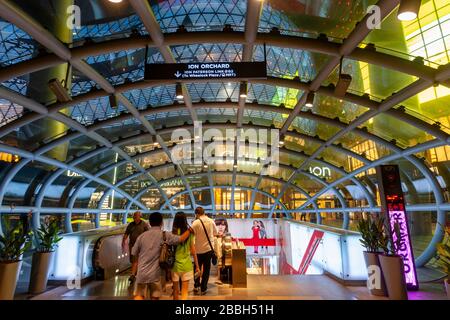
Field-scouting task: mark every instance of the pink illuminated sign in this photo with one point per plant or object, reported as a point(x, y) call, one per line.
point(397, 214)
point(391, 195)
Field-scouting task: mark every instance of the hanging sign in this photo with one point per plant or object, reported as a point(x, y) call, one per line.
point(205, 71)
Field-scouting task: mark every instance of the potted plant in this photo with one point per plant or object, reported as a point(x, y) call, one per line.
point(372, 232)
point(443, 249)
point(392, 266)
point(13, 244)
point(48, 237)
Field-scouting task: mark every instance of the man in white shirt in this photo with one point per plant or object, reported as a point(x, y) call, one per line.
point(203, 247)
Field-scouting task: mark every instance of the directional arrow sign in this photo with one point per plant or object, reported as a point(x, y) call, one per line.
point(209, 70)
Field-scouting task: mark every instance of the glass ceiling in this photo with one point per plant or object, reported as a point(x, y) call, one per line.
point(96, 146)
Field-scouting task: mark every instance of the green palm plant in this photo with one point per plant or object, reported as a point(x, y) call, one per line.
point(372, 233)
point(443, 250)
point(48, 235)
point(389, 246)
point(14, 242)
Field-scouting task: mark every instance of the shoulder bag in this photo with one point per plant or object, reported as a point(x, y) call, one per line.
point(213, 256)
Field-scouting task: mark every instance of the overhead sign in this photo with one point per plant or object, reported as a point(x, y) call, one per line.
point(208, 70)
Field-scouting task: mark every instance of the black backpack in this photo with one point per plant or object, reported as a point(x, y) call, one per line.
point(167, 255)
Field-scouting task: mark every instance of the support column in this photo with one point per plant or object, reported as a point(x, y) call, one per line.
point(56, 22)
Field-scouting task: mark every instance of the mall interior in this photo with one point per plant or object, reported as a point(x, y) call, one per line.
point(349, 102)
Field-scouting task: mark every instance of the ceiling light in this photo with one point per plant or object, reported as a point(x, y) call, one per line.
point(310, 100)
point(243, 90)
point(205, 166)
point(115, 1)
point(342, 84)
point(408, 10)
point(61, 93)
point(179, 91)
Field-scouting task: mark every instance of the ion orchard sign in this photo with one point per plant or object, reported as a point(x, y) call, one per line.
point(195, 71)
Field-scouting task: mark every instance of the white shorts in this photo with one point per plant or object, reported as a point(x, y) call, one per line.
point(184, 276)
point(148, 290)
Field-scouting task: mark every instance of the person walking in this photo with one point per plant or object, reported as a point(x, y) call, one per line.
point(133, 231)
point(147, 251)
point(205, 230)
point(182, 270)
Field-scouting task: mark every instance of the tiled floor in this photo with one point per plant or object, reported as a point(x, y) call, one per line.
point(284, 287)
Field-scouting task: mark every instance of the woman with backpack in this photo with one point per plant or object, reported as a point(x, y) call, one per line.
point(182, 269)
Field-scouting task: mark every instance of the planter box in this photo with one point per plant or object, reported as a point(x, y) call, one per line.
point(40, 269)
point(9, 274)
point(392, 268)
point(372, 259)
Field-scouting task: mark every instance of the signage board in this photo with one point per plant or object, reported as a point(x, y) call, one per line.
point(393, 207)
point(205, 71)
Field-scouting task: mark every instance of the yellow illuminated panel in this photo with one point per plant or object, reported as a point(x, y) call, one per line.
point(429, 37)
point(8, 157)
point(369, 149)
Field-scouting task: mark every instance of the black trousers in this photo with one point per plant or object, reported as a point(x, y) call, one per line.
point(204, 262)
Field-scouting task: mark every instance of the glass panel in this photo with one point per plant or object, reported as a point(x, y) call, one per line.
point(37, 133)
point(246, 181)
point(272, 95)
point(15, 45)
point(152, 199)
point(390, 128)
point(262, 202)
point(203, 198)
point(200, 15)
point(20, 190)
point(9, 112)
point(422, 37)
point(223, 179)
point(117, 67)
point(181, 202)
point(87, 195)
point(205, 52)
point(96, 109)
point(336, 108)
point(288, 63)
point(73, 148)
point(213, 91)
point(312, 128)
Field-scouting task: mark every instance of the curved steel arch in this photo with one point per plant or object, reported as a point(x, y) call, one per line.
point(131, 138)
point(346, 48)
point(295, 153)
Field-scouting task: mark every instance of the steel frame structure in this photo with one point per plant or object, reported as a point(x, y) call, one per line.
point(60, 53)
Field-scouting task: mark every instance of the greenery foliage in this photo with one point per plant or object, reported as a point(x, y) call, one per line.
point(372, 233)
point(443, 250)
point(48, 235)
point(14, 242)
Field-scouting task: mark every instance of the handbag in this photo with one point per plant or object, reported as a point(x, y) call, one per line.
point(213, 256)
point(167, 255)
